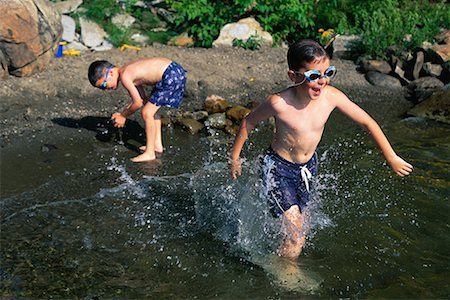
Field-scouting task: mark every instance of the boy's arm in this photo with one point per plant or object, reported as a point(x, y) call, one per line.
point(136, 94)
point(357, 114)
point(262, 112)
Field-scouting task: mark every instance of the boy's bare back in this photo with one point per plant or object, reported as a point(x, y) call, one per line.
point(146, 71)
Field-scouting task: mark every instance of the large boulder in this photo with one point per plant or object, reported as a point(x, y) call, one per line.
point(30, 31)
point(436, 107)
point(242, 30)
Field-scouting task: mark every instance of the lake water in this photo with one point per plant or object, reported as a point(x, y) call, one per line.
point(79, 220)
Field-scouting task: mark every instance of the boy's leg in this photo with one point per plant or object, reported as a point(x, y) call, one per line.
point(148, 114)
point(294, 238)
point(158, 138)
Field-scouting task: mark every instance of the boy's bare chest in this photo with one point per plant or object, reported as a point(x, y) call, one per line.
point(304, 120)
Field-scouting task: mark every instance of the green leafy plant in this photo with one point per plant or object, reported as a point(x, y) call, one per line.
point(383, 25)
point(203, 19)
point(252, 43)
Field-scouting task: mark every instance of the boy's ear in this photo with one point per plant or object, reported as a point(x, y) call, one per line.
point(291, 75)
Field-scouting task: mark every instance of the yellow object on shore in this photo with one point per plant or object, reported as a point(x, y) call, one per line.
point(71, 52)
point(125, 46)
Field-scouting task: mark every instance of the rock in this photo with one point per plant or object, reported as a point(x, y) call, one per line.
point(200, 115)
point(432, 69)
point(92, 35)
point(68, 6)
point(414, 65)
point(76, 46)
point(343, 45)
point(419, 60)
point(379, 79)
point(237, 113)
point(424, 87)
point(436, 107)
point(181, 41)
point(48, 147)
point(215, 104)
point(105, 45)
point(398, 71)
point(68, 25)
point(123, 21)
point(375, 65)
point(3, 67)
point(30, 31)
point(217, 120)
point(140, 39)
point(443, 36)
point(191, 125)
point(243, 30)
point(440, 53)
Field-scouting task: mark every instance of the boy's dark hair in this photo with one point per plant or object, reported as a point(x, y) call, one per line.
point(305, 51)
point(96, 70)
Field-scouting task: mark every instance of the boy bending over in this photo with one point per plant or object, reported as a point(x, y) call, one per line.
point(169, 81)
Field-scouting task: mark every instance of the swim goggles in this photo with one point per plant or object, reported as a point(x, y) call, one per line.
point(104, 84)
point(314, 75)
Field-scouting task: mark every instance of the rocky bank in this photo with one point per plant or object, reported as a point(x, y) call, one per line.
point(62, 90)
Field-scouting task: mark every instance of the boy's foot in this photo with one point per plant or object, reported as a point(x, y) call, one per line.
point(157, 149)
point(288, 275)
point(143, 157)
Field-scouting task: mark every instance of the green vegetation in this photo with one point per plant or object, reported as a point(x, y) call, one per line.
point(203, 19)
point(394, 26)
point(252, 43)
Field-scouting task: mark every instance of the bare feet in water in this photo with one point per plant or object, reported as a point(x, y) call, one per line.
point(157, 149)
point(143, 157)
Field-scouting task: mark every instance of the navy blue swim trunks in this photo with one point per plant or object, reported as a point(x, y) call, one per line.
point(286, 183)
point(169, 91)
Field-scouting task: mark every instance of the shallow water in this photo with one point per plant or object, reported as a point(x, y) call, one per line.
point(79, 220)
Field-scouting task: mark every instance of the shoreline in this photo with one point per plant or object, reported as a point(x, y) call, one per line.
point(31, 104)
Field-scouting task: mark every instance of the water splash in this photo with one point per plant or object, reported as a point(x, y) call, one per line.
point(129, 185)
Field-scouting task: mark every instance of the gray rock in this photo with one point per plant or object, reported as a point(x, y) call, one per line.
point(432, 69)
point(218, 120)
point(376, 65)
point(380, 79)
point(424, 87)
point(92, 35)
point(243, 30)
point(68, 25)
point(343, 45)
point(123, 21)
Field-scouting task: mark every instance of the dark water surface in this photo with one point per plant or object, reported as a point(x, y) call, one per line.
point(78, 219)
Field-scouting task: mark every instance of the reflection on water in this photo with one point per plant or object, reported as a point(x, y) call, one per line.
point(95, 225)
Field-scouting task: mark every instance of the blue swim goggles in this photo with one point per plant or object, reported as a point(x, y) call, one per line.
point(104, 84)
point(314, 75)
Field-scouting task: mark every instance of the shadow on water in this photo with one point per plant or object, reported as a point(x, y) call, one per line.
point(132, 135)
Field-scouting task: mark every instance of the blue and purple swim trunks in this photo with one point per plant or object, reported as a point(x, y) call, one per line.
point(170, 90)
point(285, 183)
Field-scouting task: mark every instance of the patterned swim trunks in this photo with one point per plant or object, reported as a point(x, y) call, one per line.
point(285, 183)
point(169, 91)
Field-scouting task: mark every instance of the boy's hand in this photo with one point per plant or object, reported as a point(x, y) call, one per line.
point(400, 167)
point(236, 168)
point(118, 119)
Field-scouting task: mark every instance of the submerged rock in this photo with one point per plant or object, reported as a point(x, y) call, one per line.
point(436, 107)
